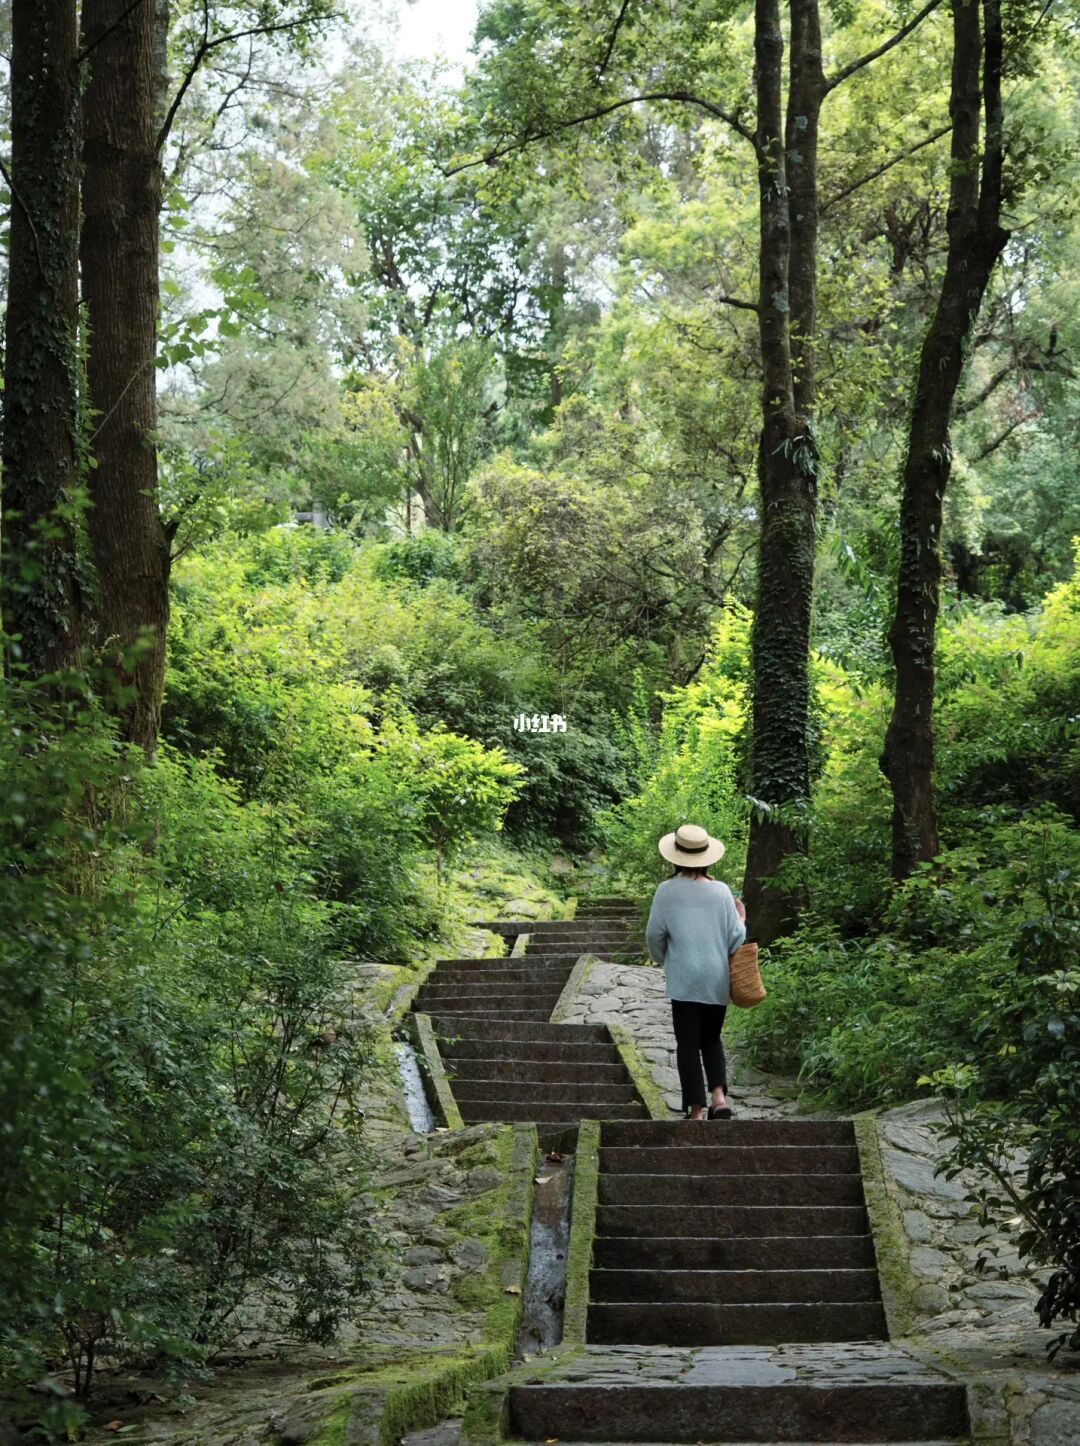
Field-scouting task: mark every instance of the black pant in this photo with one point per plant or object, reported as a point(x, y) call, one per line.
point(697, 1042)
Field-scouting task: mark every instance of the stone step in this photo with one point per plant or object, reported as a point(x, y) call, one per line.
point(532, 1071)
point(545, 1113)
point(574, 948)
point(734, 1286)
point(678, 1134)
point(415, 1440)
point(469, 1009)
point(770, 1252)
point(529, 997)
point(727, 1159)
point(727, 1220)
point(432, 1000)
point(518, 974)
point(515, 1052)
point(588, 923)
point(584, 943)
point(617, 933)
point(564, 1094)
point(651, 1323)
point(742, 1412)
point(488, 1030)
point(706, 1190)
point(504, 961)
point(483, 989)
point(901, 1410)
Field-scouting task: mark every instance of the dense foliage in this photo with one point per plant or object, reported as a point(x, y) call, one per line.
point(460, 383)
point(179, 1137)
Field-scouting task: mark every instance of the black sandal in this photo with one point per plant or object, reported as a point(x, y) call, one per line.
point(719, 1112)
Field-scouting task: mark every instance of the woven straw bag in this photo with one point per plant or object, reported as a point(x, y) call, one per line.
point(747, 989)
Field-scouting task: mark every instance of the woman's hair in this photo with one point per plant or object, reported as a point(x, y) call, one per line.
point(685, 872)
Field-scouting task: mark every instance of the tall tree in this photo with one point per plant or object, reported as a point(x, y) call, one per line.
point(976, 239)
point(40, 592)
point(673, 59)
point(122, 188)
point(787, 453)
point(127, 118)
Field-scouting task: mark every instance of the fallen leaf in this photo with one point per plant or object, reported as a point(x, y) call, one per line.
point(512, 1290)
point(543, 1179)
point(114, 1426)
point(555, 1157)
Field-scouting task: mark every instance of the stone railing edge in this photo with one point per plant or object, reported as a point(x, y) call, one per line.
point(582, 1229)
point(434, 1074)
point(890, 1243)
point(578, 975)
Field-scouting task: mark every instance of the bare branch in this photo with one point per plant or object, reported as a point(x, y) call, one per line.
point(1004, 436)
point(856, 185)
point(872, 55)
point(736, 301)
point(684, 97)
point(970, 405)
point(206, 45)
point(611, 41)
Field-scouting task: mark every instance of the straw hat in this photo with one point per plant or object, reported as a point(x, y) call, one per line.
point(691, 847)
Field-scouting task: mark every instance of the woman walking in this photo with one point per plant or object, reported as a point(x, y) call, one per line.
point(695, 924)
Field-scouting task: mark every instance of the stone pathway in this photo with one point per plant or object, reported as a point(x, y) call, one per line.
point(725, 1239)
point(673, 1271)
point(632, 995)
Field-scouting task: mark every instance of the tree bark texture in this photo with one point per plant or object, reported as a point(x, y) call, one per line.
point(39, 576)
point(975, 241)
point(787, 458)
point(119, 254)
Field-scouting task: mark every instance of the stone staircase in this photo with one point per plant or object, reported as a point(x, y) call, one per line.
point(742, 1232)
point(733, 1293)
point(505, 1060)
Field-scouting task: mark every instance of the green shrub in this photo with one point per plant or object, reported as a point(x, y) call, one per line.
point(178, 1063)
point(690, 768)
point(276, 641)
point(1014, 1102)
point(863, 1020)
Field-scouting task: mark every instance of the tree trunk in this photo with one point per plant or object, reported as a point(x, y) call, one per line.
point(119, 256)
point(975, 241)
point(38, 577)
point(787, 458)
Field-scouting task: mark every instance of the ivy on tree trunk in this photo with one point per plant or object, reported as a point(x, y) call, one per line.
point(976, 239)
point(40, 589)
point(787, 454)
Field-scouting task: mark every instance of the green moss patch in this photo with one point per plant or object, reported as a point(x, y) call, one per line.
point(890, 1243)
point(383, 1403)
point(640, 1073)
